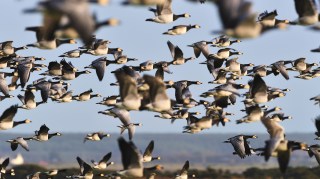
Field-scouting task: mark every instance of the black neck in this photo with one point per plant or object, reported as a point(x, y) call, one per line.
point(53, 134)
point(175, 17)
point(15, 123)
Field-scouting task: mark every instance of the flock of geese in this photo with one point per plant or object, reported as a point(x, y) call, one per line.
point(65, 20)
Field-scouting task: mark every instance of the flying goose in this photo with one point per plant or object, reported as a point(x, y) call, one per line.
point(279, 67)
point(73, 53)
point(196, 125)
point(43, 134)
point(6, 119)
point(99, 47)
point(86, 170)
point(124, 117)
point(167, 115)
point(244, 69)
point(307, 11)
point(47, 41)
point(18, 141)
point(254, 113)
point(279, 117)
point(218, 116)
point(260, 70)
point(180, 29)
point(227, 89)
point(85, 96)
point(64, 98)
point(162, 67)
point(213, 61)
point(227, 52)
point(221, 76)
point(119, 58)
point(314, 150)
point(14, 78)
point(28, 100)
point(183, 174)
point(96, 136)
point(24, 70)
point(159, 100)
point(69, 72)
point(200, 47)
point(258, 90)
point(6, 48)
point(110, 100)
point(3, 86)
point(180, 88)
point(284, 150)
point(66, 30)
point(223, 41)
point(163, 13)
point(5, 62)
point(44, 87)
point(130, 98)
point(268, 19)
point(237, 19)
point(276, 132)
point(58, 89)
point(147, 155)
point(177, 54)
point(241, 145)
point(77, 12)
point(131, 159)
point(103, 163)
point(144, 66)
point(301, 66)
point(3, 168)
point(54, 69)
point(4, 165)
point(232, 65)
point(99, 65)
point(183, 114)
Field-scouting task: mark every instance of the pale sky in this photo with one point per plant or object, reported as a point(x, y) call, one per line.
point(144, 41)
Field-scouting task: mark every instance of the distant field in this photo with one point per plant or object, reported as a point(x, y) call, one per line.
point(202, 150)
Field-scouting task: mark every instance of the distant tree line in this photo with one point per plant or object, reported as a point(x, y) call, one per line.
point(210, 173)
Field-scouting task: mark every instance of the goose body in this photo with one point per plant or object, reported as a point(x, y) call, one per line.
point(180, 29)
point(6, 119)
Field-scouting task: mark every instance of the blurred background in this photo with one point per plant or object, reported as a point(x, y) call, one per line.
point(144, 41)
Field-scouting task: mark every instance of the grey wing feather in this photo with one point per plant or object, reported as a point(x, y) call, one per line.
point(149, 149)
point(122, 114)
point(165, 8)
point(238, 145)
point(282, 69)
point(305, 7)
point(185, 168)
point(23, 143)
point(106, 157)
point(130, 156)
point(171, 48)
point(4, 86)
point(9, 114)
point(131, 130)
point(100, 67)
